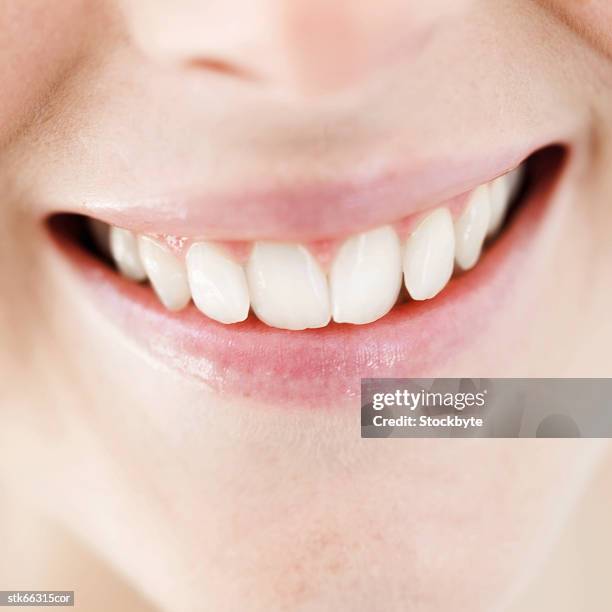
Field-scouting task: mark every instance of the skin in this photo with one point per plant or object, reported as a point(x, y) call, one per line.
point(202, 501)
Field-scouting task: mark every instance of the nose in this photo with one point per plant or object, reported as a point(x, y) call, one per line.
point(306, 46)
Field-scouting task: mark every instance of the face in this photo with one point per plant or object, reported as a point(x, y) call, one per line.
point(218, 216)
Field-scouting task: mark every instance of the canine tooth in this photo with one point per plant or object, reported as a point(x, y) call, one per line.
point(366, 276)
point(288, 288)
point(429, 255)
point(124, 249)
point(166, 273)
point(471, 228)
point(218, 284)
point(503, 190)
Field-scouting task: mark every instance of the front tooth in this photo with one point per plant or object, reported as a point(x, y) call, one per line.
point(166, 273)
point(429, 255)
point(124, 249)
point(471, 228)
point(366, 276)
point(288, 288)
point(218, 284)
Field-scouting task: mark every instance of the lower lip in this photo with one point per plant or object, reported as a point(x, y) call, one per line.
point(322, 367)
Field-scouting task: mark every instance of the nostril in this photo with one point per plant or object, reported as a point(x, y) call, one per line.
point(223, 67)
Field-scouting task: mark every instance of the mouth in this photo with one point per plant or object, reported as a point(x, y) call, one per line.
point(303, 322)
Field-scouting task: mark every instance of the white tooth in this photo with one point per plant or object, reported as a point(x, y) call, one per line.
point(218, 284)
point(471, 228)
point(429, 255)
point(100, 234)
point(503, 190)
point(499, 203)
point(166, 273)
point(366, 276)
point(124, 248)
point(288, 288)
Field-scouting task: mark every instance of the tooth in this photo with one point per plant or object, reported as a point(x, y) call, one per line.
point(124, 249)
point(503, 191)
point(366, 276)
point(166, 273)
point(218, 284)
point(471, 228)
point(499, 204)
point(429, 255)
point(288, 288)
point(100, 234)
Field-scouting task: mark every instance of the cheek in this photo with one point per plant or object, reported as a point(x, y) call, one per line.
point(39, 40)
point(590, 19)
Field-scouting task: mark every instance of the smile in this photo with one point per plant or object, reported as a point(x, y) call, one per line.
point(320, 314)
point(289, 288)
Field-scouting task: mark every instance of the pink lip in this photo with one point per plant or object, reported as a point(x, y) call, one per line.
point(324, 366)
point(304, 213)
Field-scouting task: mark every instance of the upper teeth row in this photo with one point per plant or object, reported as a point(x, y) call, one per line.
point(286, 287)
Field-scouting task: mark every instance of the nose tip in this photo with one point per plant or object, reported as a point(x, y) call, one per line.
point(302, 46)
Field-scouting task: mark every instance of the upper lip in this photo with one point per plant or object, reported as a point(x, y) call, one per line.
point(304, 211)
